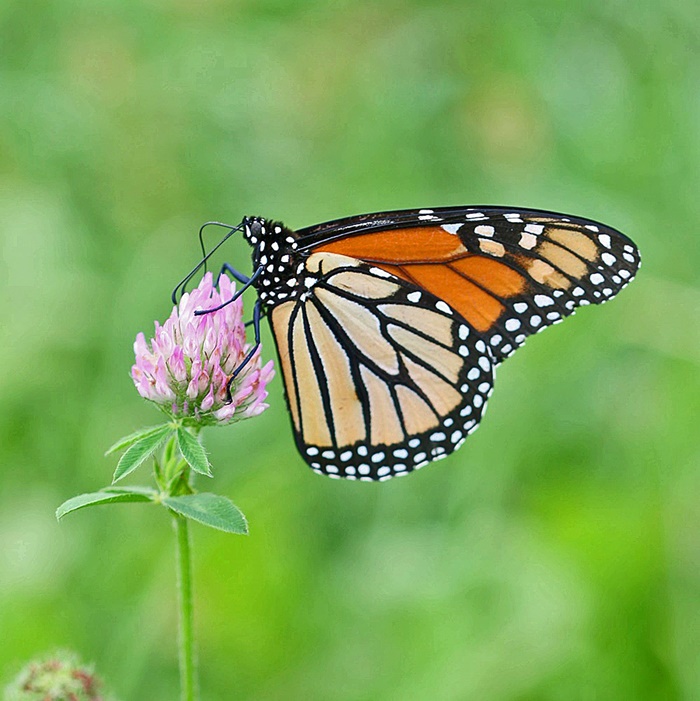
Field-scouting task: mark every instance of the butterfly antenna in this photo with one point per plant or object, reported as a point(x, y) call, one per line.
point(181, 287)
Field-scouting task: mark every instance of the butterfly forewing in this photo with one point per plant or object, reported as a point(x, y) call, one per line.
point(509, 273)
point(381, 377)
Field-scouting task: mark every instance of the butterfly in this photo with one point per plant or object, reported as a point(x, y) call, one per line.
point(389, 326)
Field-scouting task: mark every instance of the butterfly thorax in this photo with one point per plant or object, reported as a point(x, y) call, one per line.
point(275, 252)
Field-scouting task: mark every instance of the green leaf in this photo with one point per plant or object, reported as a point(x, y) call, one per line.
point(158, 471)
point(169, 452)
point(140, 451)
point(84, 500)
point(211, 510)
point(193, 452)
point(145, 491)
point(133, 437)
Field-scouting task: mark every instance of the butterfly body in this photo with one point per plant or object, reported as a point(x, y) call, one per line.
point(275, 253)
point(389, 326)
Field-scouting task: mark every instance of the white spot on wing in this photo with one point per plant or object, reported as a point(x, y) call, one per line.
point(543, 301)
point(528, 241)
point(379, 272)
point(443, 307)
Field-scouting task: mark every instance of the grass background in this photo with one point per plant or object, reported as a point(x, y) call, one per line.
point(556, 556)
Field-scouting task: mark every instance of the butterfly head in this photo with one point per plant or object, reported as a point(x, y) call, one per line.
point(275, 254)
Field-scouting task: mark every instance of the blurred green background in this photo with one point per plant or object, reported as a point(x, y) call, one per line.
point(556, 556)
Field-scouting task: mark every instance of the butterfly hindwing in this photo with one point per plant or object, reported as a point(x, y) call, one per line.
point(381, 377)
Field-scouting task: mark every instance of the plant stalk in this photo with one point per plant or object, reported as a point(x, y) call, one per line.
point(188, 667)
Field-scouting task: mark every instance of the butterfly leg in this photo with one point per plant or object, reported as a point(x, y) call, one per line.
point(252, 321)
point(248, 284)
point(257, 315)
point(236, 274)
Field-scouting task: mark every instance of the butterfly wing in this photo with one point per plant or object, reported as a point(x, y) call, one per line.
point(380, 376)
point(508, 272)
point(388, 358)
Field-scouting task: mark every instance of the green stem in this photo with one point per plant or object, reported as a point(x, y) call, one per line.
point(188, 669)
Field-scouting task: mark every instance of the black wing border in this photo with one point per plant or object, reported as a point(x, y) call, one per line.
point(311, 236)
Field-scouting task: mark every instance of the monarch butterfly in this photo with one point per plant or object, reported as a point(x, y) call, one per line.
point(389, 326)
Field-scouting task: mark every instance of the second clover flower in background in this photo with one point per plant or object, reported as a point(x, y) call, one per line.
point(187, 364)
point(57, 677)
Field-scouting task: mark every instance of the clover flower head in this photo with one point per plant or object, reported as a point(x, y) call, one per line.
point(58, 677)
point(186, 366)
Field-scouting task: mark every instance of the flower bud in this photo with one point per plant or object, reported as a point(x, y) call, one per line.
point(59, 677)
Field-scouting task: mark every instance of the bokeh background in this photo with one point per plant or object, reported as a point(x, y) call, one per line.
point(557, 555)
